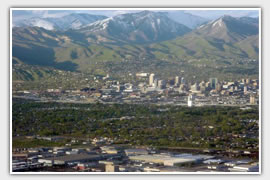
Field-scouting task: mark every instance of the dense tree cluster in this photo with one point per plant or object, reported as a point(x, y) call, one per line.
point(214, 127)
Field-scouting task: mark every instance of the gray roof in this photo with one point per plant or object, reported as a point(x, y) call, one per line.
point(75, 157)
point(136, 151)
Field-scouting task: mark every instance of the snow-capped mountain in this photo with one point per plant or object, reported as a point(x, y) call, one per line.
point(145, 26)
point(71, 21)
point(36, 21)
point(229, 29)
point(215, 14)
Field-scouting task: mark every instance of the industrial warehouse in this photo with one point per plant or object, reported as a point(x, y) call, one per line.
point(64, 160)
point(110, 158)
point(168, 160)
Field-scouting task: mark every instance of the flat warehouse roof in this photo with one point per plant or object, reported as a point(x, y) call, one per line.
point(169, 159)
point(74, 157)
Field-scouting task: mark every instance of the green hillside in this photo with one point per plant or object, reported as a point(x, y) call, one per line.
point(196, 54)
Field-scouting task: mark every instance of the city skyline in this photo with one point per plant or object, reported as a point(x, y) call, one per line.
point(136, 91)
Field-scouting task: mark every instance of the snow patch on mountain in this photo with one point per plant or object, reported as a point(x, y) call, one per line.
point(42, 23)
point(145, 25)
point(71, 21)
point(218, 22)
point(158, 21)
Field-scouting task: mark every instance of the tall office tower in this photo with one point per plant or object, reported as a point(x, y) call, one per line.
point(161, 84)
point(183, 80)
point(151, 79)
point(190, 99)
point(177, 81)
point(171, 82)
point(231, 88)
point(194, 87)
point(202, 83)
point(155, 83)
point(245, 90)
point(182, 88)
point(252, 99)
point(202, 86)
point(213, 82)
point(218, 87)
point(207, 84)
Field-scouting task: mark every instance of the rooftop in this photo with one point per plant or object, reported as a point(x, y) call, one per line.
point(74, 157)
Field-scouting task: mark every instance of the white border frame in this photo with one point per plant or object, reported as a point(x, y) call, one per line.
point(133, 173)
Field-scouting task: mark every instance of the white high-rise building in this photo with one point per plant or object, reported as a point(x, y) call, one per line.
point(190, 100)
point(177, 81)
point(245, 90)
point(194, 87)
point(151, 79)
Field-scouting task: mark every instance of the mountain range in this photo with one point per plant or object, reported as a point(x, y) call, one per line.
point(65, 20)
point(224, 38)
point(142, 27)
point(93, 43)
point(71, 21)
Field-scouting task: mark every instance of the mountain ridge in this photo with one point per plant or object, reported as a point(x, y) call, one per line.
point(228, 29)
point(78, 51)
point(145, 26)
point(70, 21)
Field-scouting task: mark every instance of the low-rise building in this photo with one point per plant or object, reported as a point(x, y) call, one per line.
point(109, 149)
point(244, 168)
point(130, 152)
point(63, 160)
point(169, 160)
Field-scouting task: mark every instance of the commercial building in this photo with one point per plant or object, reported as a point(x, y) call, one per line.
point(194, 88)
point(78, 158)
point(161, 84)
point(109, 149)
point(143, 75)
point(190, 100)
point(245, 89)
point(130, 152)
point(84, 166)
point(177, 81)
point(244, 168)
point(183, 80)
point(151, 79)
point(55, 139)
point(169, 160)
point(213, 82)
point(149, 169)
point(252, 99)
point(155, 83)
point(120, 88)
point(111, 168)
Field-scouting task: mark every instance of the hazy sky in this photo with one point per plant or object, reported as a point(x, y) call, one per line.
point(209, 14)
